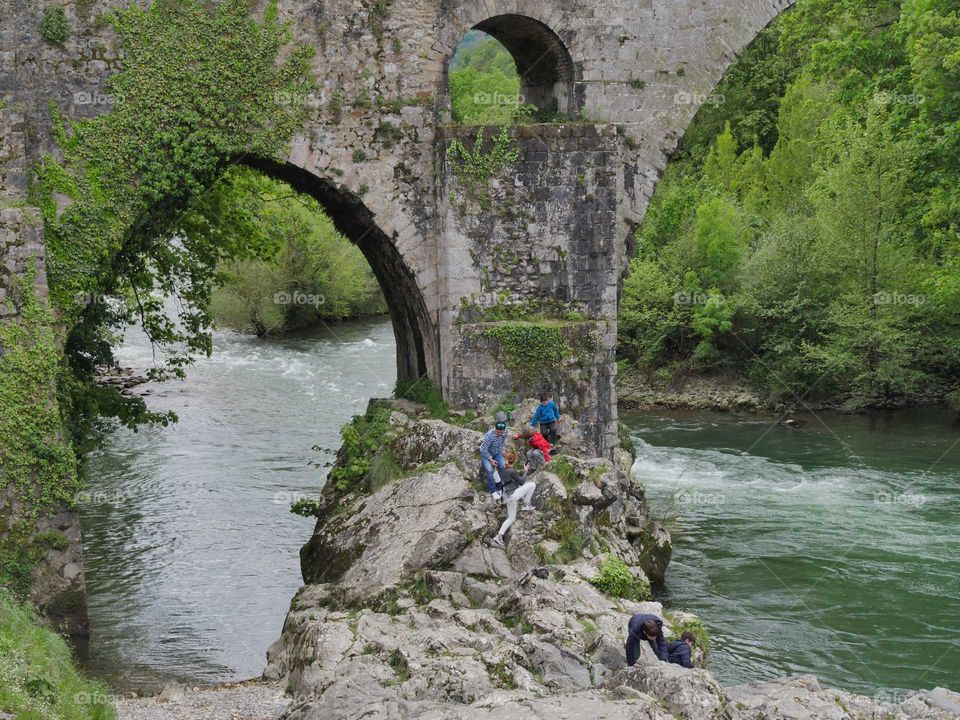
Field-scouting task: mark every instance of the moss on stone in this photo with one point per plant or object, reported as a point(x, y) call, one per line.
point(38, 466)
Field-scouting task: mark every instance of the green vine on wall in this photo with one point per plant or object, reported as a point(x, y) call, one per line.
point(530, 347)
point(202, 87)
point(38, 468)
point(475, 168)
point(53, 26)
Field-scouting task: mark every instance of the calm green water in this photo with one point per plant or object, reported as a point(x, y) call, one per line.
point(831, 549)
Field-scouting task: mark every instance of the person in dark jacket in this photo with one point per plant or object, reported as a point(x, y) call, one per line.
point(679, 652)
point(644, 626)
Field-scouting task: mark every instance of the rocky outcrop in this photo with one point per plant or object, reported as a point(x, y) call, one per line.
point(410, 613)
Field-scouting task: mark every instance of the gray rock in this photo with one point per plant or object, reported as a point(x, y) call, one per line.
point(693, 693)
point(478, 559)
point(560, 668)
point(172, 692)
point(411, 524)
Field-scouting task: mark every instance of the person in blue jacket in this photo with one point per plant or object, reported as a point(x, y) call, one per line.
point(546, 415)
point(679, 652)
point(644, 626)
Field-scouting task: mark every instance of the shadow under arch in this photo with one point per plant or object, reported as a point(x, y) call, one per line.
point(416, 337)
point(549, 78)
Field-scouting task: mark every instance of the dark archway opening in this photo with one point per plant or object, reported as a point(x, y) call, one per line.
point(547, 75)
point(415, 337)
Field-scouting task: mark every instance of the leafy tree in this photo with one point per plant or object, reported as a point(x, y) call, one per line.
point(820, 260)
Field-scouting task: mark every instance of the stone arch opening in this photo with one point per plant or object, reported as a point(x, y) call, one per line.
point(417, 351)
point(547, 72)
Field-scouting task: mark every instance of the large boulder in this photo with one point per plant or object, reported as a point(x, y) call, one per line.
point(413, 523)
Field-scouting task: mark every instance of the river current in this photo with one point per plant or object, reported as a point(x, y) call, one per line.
point(829, 549)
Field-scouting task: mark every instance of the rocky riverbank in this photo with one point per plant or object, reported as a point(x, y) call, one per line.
point(410, 613)
point(254, 700)
point(731, 393)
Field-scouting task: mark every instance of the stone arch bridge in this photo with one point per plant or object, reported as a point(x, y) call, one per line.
point(548, 241)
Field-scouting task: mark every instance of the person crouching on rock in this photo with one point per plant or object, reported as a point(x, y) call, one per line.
point(644, 626)
point(536, 441)
point(680, 651)
point(491, 454)
point(516, 487)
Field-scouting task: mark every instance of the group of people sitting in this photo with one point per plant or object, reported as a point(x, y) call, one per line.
point(503, 481)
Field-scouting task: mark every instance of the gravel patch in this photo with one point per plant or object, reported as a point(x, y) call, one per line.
point(253, 700)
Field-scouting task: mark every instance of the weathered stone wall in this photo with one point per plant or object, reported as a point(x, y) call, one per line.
point(57, 581)
point(537, 245)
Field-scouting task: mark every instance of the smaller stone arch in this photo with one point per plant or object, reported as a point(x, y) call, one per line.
point(415, 334)
point(549, 77)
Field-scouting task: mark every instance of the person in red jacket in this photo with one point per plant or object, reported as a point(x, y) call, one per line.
point(537, 441)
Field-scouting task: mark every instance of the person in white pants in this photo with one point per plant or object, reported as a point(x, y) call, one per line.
point(516, 487)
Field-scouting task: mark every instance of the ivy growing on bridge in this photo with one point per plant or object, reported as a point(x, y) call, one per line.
point(38, 468)
point(202, 87)
point(475, 168)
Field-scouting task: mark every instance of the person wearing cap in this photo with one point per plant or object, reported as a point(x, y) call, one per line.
point(491, 454)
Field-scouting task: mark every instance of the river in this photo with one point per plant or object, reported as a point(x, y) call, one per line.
point(830, 549)
point(191, 553)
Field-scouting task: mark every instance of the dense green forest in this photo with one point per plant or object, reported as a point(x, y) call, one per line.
point(302, 270)
point(804, 234)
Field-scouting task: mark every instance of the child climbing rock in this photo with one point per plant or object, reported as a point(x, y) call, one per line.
point(547, 415)
point(536, 442)
point(516, 487)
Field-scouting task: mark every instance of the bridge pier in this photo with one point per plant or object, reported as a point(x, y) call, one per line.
point(530, 262)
